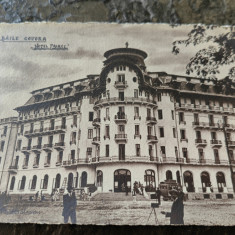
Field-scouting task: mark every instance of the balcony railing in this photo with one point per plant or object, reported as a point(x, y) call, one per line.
point(205, 125)
point(120, 137)
point(120, 118)
point(35, 165)
point(25, 166)
point(172, 160)
point(96, 140)
point(59, 145)
point(13, 167)
point(151, 119)
point(126, 99)
point(200, 141)
point(152, 138)
point(216, 142)
point(96, 121)
point(47, 145)
point(120, 84)
point(37, 147)
point(137, 117)
point(231, 143)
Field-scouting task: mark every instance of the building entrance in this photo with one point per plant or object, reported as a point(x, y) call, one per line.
point(122, 179)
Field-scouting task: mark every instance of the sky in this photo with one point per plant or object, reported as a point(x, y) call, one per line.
point(23, 70)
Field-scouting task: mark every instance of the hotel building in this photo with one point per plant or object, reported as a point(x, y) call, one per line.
point(120, 126)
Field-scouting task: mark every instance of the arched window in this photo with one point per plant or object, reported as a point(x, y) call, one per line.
point(45, 182)
point(205, 179)
point(34, 182)
point(13, 179)
point(220, 181)
point(188, 181)
point(22, 185)
point(168, 175)
point(84, 179)
point(57, 181)
point(70, 180)
point(149, 179)
point(122, 177)
point(99, 178)
point(178, 177)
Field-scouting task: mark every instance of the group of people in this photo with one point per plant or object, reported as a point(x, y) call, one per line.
point(138, 188)
point(55, 195)
point(39, 196)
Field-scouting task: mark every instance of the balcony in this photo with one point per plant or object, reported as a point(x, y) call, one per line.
point(3, 135)
point(191, 161)
point(13, 168)
point(120, 118)
point(230, 126)
point(231, 144)
point(26, 149)
point(59, 163)
point(28, 133)
point(96, 122)
point(60, 128)
point(37, 148)
point(96, 140)
point(216, 143)
point(206, 161)
point(47, 147)
point(152, 139)
point(137, 117)
point(25, 166)
point(126, 100)
point(172, 160)
point(151, 120)
point(112, 159)
point(35, 165)
point(200, 142)
point(120, 137)
point(120, 84)
point(75, 162)
point(47, 164)
point(204, 125)
point(59, 145)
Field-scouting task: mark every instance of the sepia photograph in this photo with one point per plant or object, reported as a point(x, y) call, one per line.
point(117, 124)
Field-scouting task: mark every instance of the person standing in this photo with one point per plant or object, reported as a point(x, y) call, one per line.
point(158, 195)
point(69, 204)
point(126, 188)
point(177, 210)
point(36, 196)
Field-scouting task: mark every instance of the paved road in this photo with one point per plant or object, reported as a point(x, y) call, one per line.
point(219, 212)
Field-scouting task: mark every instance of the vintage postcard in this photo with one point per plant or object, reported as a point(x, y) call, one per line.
point(129, 124)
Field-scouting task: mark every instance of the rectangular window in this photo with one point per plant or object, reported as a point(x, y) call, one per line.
point(161, 131)
point(160, 116)
point(225, 120)
point(163, 150)
point(136, 111)
point(181, 117)
point(213, 135)
point(107, 150)
point(89, 152)
point(201, 153)
point(107, 113)
point(216, 154)
point(137, 147)
point(231, 155)
point(22, 129)
point(48, 160)
point(140, 93)
point(61, 137)
point(149, 130)
point(90, 133)
point(135, 93)
point(26, 160)
point(121, 77)
point(150, 150)
point(31, 127)
point(2, 145)
point(37, 159)
point(159, 97)
point(121, 95)
point(228, 136)
point(172, 115)
point(60, 157)
point(174, 133)
point(41, 125)
point(196, 118)
point(5, 130)
point(148, 112)
point(121, 128)
point(107, 134)
point(75, 120)
point(137, 130)
point(198, 135)
point(211, 120)
point(183, 134)
point(91, 114)
point(185, 153)
point(19, 144)
point(52, 124)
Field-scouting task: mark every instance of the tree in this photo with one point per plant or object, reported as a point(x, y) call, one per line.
point(208, 61)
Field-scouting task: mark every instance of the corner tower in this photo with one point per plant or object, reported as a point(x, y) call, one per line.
point(125, 107)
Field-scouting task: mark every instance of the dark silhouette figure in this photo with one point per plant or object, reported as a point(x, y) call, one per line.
point(126, 188)
point(69, 203)
point(158, 195)
point(177, 210)
point(36, 195)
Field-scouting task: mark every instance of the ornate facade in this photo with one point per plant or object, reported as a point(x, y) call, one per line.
point(125, 125)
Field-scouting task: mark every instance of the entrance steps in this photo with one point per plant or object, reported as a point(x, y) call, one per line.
point(110, 196)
